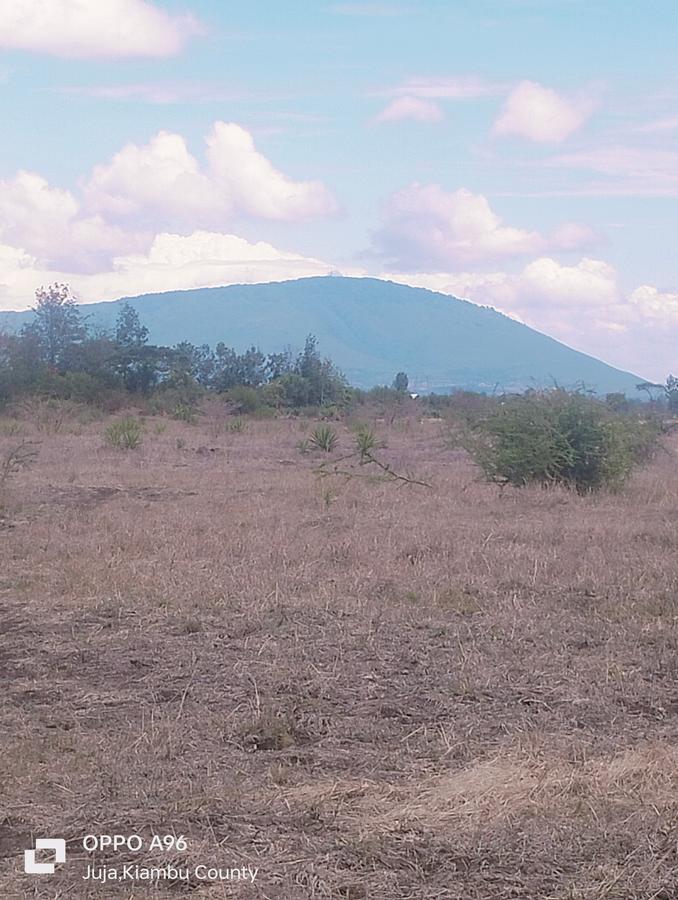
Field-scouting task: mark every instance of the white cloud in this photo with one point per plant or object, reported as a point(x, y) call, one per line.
point(20, 275)
point(659, 306)
point(49, 224)
point(544, 290)
point(257, 188)
point(540, 114)
point(160, 178)
point(426, 227)
point(635, 331)
point(163, 180)
point(147, 189)
point(173, 262)
point(410, 108)
point(202, 259)
point(93, 28)
point(590, 283)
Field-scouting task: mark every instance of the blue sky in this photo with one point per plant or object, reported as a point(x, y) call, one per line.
point(521, 153)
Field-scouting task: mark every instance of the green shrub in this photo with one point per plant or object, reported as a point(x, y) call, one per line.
point(125, 434)
point(246, 400)
point(558, 437)
point(180, 400)
point(324, 438)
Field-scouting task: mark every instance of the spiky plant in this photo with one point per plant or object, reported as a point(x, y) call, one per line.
point(324, 438)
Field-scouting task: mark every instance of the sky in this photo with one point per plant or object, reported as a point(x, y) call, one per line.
point(522, 154)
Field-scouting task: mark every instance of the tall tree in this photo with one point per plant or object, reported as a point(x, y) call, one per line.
point(129, 332)
point(671, 391)
point(401, 382)
point(57, 324)
point(138, 364)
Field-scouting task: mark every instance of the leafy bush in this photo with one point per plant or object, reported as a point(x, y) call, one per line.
point(324, 438)
point(244, 398)
point(558, 437)
point(181, 401)
point(125, 434)
point(255, 402)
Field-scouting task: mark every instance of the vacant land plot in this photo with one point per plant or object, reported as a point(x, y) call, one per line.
point(361, 689)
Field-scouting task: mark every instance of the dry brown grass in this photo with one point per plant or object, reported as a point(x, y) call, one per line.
point(384, 692)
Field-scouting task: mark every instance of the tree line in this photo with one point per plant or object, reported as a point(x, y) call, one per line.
point(59, 353)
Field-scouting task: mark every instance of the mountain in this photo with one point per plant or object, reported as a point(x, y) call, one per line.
point(371, 329)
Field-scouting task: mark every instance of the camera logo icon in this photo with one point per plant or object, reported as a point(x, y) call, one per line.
point(58, 845)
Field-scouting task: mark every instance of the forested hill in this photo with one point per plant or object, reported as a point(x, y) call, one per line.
point(371, 329)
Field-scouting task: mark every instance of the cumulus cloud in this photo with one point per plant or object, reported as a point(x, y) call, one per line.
point(173, 262)
point(20, 275)
point(410, 108)
point(589, 283)
point(415, 98)
point(202, 259)
point(634, 330)
point(49, 224)
point(427, 227)
point(94, 28)
point(540, 114)
point(544, 289)
point(163, 179)
point(659, 306)
point(147, 189)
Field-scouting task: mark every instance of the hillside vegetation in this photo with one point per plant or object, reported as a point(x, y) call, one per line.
point(371, 329)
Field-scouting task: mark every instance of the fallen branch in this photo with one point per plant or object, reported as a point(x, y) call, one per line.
point(362, 458)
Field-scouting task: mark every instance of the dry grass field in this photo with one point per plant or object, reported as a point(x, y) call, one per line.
point(362, 689)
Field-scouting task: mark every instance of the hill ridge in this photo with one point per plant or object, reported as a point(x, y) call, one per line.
point(371, 328)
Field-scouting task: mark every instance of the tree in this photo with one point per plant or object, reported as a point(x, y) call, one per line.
point(21, 364)
point(129, 332)
point(251, 367)
point(401, 382)
point(648, 387)
point(671, 391)
point(309, 362)
point(279, 364)
point(57, 324)
point(138, 364)
point(326, 385)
